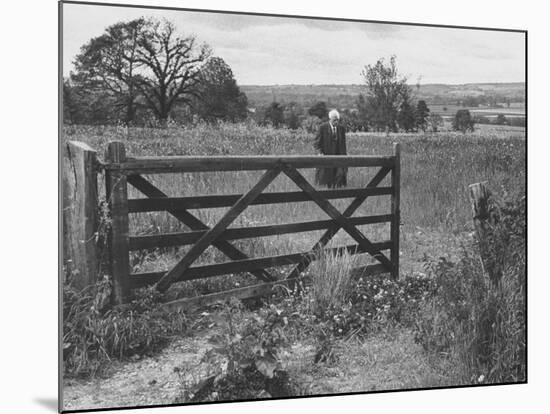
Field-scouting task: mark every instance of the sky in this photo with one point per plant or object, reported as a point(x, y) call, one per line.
point(264, 50)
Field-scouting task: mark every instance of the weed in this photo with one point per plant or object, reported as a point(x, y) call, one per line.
point(331, 280)
point(246, 355)
point(93, 334)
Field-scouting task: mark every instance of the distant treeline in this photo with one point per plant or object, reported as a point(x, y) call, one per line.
point(500, 119)
point(345, 96)
point(144, 73)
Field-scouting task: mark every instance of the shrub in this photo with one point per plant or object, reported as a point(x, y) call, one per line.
point(249, 348)
point(92, 336)
point(501, 120)
point(482, 321)
point(463, 121)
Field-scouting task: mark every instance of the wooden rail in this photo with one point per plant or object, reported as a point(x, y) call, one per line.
point(121, 171)
point(143, 205)
point(174, 164)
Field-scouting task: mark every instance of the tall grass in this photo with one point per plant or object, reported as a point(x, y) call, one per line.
point(435, 173)
point(331, 279)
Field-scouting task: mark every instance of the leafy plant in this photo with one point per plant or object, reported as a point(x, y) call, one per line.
point(94, 334)
point(246, 355)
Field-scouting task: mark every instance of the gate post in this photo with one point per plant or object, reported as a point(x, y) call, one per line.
point(395, 210)
point(80, 213)
point(117, 195)
point(482, 208)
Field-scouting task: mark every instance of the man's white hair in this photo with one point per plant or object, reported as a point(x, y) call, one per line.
point(335, 113)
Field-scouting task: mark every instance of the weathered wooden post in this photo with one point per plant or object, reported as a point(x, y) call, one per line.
point(80, 214)
point(117, 195)
point(395, 210)
point(480, 197)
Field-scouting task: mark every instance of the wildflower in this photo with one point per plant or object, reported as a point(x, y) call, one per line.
point(481, 378)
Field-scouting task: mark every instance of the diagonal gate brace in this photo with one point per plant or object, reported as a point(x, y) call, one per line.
point(329, 234)
point(210, 236)
point(194, 223)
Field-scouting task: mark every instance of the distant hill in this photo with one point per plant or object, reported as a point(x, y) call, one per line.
point(344, 96)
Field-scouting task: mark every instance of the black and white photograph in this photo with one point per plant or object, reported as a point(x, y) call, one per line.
point(266, 206)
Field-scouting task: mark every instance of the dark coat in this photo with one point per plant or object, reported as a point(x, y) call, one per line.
point(328, 144)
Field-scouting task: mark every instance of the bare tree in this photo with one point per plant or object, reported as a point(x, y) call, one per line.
point(170, 67)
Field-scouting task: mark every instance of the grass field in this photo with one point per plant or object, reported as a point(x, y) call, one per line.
point(437, 222)
point(436, 168)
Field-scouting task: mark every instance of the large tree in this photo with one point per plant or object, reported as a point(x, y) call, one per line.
point(385, 92)
point(143, 60)
point(170, 67)
point(219, 96)
point(107, 64)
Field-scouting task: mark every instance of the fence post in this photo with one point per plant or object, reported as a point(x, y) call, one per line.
point(482, 207)
point(395, 210)
point(117, 194)
point(80, 215)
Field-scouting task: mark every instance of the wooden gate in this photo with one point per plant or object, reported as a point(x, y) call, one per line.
point(121, 171)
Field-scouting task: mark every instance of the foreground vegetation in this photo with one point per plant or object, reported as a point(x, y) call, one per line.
point(449, 308)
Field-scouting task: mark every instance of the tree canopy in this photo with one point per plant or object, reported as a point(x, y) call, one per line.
point(171, 66)
point(108, 64)
point(143, 62)
point(219, 96)
point(385, 92)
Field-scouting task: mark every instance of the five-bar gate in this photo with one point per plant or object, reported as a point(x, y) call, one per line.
point(121, 171)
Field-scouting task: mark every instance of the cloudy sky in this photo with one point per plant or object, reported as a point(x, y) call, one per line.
point(273, 50)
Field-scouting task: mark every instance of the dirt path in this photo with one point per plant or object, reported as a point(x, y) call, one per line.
point(148, 381)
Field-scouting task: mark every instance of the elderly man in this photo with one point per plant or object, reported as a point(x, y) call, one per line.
point(331, 140)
